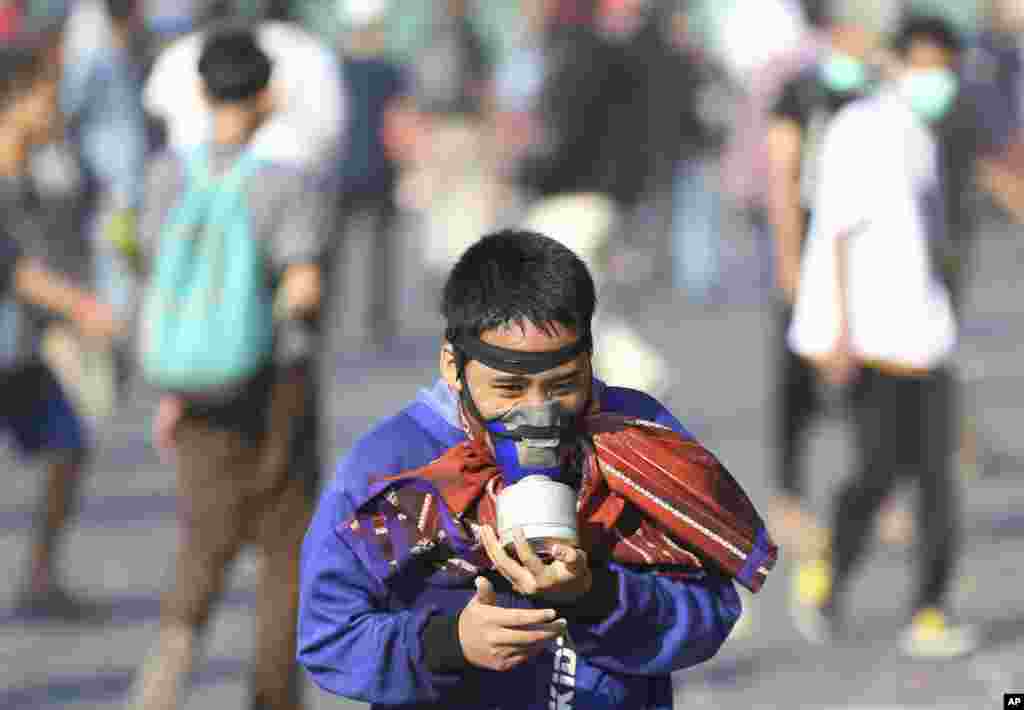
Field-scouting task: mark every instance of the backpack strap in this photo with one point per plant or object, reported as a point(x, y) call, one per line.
point(197, 170)
point(244, 168)
point(197, 167)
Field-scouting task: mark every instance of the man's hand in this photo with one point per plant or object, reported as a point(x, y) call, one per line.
point(500, 639)
point(788, 278)
point(97, 320)
point(38, 285)
point(165, 425)
point(564, 580)
point(841, 365)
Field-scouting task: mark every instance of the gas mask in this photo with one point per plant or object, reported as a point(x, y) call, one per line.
point(531, 443)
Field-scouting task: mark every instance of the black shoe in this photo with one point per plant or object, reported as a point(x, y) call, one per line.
point(56, 604)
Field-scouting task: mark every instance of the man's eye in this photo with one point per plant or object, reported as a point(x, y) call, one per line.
point(565, 388)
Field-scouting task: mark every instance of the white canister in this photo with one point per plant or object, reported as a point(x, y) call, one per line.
point(543, 508)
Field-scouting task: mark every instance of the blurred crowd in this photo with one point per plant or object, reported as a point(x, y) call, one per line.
point(634, 131)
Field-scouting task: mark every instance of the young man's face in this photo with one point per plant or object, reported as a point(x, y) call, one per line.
point(496, 392)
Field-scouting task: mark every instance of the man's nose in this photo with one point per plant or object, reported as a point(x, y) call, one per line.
point(535, 396)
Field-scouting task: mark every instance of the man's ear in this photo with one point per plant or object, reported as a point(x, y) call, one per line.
point(204, 96)
point(449, 366)
point(269, 99)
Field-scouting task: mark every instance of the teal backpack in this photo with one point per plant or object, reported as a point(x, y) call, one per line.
point(207, 318)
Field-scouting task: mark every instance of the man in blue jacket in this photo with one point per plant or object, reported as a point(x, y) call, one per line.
point(588, 635)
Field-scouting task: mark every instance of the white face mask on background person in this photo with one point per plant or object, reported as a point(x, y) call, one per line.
point(931, 93)
point(843, 73)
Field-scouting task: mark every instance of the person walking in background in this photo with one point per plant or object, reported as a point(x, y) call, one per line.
point(797, 128)
point(874, 315)
point(233, 362)
point(306, 131)
point(696, 203)
point(380, 109)
point(36, 410)
point(577, 171)
point(451, 182)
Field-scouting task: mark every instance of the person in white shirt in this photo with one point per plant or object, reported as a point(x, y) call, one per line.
point(874, 316)
point(308, 129)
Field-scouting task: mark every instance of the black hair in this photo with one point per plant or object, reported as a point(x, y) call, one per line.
point(929, 28)
point(818, 13)
point(121, 10)
point(21, 66)
point(514, 276)
point(233, 66)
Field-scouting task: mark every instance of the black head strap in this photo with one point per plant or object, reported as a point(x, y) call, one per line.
point(469, 347)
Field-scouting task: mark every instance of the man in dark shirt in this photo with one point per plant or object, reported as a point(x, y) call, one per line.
point(378, 95)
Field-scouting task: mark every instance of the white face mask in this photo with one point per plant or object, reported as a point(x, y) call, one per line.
point(930, 92)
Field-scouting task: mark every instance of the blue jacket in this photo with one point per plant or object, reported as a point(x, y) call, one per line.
point(361, 640)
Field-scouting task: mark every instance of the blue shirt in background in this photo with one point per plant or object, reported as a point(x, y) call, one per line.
point(101, 95)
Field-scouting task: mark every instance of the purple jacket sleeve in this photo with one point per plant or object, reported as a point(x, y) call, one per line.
point(351, 644)
point(349, 640)
point(659, 625)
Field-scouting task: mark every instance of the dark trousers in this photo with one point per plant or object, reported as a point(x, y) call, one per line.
point(904, 428)
point(798, 404)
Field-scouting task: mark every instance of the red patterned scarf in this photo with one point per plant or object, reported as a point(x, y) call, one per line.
point(648, 497)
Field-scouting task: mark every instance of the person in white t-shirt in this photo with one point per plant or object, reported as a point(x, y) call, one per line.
point(307, 130)
point(875, 317)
